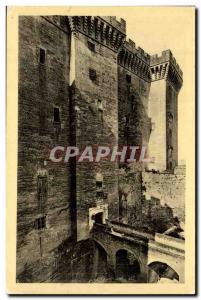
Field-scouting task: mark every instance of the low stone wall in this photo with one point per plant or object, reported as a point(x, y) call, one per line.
point(169, 188)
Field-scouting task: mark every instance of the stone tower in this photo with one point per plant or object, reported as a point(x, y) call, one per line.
point(94, 109)
point(166, 77)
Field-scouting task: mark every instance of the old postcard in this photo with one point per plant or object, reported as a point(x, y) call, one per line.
point(100, 150)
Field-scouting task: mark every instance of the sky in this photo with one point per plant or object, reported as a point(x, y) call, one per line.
point(158, 29)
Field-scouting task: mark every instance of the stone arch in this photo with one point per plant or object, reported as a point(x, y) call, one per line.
point(128, 266)
point(133, 252)
point(98, 218)
point(159, 270)
point(97, 242)
point(101, 211)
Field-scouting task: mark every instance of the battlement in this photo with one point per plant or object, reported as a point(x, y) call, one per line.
point(131, 46)
point(119, 25)
point(105, 30)
point(165, 57)
point(135, 59)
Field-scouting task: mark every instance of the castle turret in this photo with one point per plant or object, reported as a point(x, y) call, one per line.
point(166, 77)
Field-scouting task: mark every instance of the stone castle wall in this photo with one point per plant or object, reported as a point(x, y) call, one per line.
point(169, 188)
point(41, 88)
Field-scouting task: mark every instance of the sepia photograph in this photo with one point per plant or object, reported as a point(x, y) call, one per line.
point(103, 118)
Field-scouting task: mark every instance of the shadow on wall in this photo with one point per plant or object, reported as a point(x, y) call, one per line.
point(134, 123)
point(73, 261)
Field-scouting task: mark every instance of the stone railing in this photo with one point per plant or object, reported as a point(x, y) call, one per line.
point(128, 230)
point(170, 241)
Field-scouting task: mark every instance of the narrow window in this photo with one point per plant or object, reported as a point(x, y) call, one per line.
point(43, 222)
point(42, 56)
point(170, 116)
point(100, 113)
point(170, 134)
point(169, 120)
point(56, 115)
point(132, 103)
point(99, 184)
point(170, 151)
point(40, 223)
point(128, 78)
point(42, 191)
point(57, 123)
point(169, 137)
point(124, 204)
point(126, 122)
point(99, 194)
point(100, 105)
point(40, 243)
point(92, 74)
point(91, 46)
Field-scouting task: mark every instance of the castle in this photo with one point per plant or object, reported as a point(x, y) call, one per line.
point(82, 83)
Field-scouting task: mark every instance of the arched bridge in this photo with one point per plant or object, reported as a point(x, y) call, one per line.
point(123, 253)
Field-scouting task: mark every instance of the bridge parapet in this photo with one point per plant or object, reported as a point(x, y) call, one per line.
point(168, 250)
point(170, 241)
point(101, 227)
point(146, 248)
point(111, 231)
point(128, 230)
point(166, 244)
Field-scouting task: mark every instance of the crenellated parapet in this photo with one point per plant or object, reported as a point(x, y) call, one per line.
point(120, 25)
point(111, 33)
point(105, 30)
point(135, 60)
point(166, 67)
